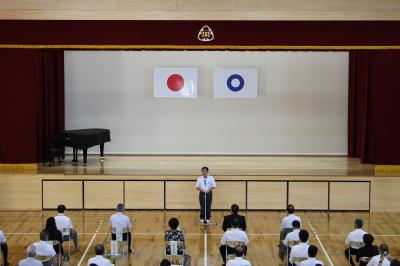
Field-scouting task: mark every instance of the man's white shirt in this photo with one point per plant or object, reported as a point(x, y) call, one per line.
point(374, 261)
point(30, 262)
point(120, 220)
point(206, 183)
point(311, 262)
point(292, 236)
point(355, 236)
point(299, 251)
point(235, 234)
point(99, 261)
point(2, 237)
point(43, 248)
point(238, 261)
point(62, 222)
point(288, 220)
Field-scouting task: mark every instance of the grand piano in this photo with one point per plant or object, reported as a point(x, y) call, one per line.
point(83, 139)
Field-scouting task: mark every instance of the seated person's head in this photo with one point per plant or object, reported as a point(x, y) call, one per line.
point(312, 251)
point(395, 262)
point(235, 223)
point(173, 223)
point(61, 208)
point(296, 224)
point(165, 262)
point(358, 223)
point(303, 235)
point(120, 207)
point(93, 264)
point(368, 239)
point(290, 209)
point(44, 235)
point(31, 251)
point(383, 249)
point(99, 249)
point(235, 208)
point(239, 251)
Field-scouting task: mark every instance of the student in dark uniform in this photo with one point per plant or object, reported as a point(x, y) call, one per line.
point(235, 214)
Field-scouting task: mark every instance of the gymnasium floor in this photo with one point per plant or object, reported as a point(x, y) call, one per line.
point(327, 231)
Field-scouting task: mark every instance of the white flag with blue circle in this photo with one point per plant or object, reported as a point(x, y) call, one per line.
point(235, 82)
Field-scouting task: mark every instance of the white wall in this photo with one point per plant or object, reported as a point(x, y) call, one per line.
point(301, 107)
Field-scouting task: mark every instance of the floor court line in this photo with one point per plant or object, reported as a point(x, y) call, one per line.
point(320, 243)
point(91, 242)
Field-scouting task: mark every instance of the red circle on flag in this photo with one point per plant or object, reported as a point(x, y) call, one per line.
point(175, 82)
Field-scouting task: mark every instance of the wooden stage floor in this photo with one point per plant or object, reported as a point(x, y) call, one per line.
point(219, 165)
point(327, 231)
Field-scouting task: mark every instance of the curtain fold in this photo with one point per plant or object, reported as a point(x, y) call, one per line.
point(51, 96)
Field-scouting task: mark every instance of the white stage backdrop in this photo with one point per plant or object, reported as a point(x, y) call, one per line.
point(301, 106)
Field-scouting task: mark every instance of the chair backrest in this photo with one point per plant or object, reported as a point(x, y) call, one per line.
point(357, 244)
point(66, 231)
point(298, 260)
point(235, 243)
point(174, 247)
point(292, 243)
point(43, 258)
point(119, 233)
point(365, 259)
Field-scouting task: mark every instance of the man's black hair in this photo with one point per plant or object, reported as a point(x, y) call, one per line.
point(61, 208)
point(235, 208)
point(312, 251)
point(99, 249)
point(204, 168)
point(290, 209)
point(173, 223)
point(303, 235)
point(296, 224)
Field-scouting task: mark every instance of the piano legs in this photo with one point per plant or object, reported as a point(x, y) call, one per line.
point(84, 156)
point(102, 152)
point(75, 155)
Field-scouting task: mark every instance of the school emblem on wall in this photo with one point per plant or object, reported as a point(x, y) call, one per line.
point(205, 34)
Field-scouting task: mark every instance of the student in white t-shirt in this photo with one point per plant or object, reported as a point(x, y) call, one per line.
point(382, 258)
point(205, 185)
point(238, 260)
point(311, 261)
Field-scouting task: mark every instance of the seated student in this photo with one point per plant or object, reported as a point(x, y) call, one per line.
point(368, 250)
point(173, 234)
point(294, 235)
point(228, 219)
point(286, 227)
point(64, 222)
point(165, 262)
point(120, 220)
point(382, 259)
point(4, 247)
point(300, 250)
point(43, 248)
point(99, 259)
point(395, 262)
point(30, 260)
point(238, 260)
point(354, 236)
point(311, 261)
point(54, 234)
point(235, 234)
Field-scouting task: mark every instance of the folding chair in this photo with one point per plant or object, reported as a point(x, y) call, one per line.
point(66, 234)
point(354, 244)
point(46, 260)
point(177, 252)
point(120, 247)
point(54, 243)
point(289, 246)
point(114, 251)
point(232, 244)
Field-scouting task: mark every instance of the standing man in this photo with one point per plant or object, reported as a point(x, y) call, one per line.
point(205, 184)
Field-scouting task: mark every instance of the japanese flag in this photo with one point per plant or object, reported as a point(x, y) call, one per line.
point(175, 82)
point(235, 82)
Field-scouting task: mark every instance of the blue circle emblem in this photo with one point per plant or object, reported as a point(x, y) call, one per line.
point(232, 78)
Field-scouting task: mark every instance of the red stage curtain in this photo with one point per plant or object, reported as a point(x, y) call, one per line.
point(51, 96)
point(31, 102)
point(19, 92)
point(374, 94)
